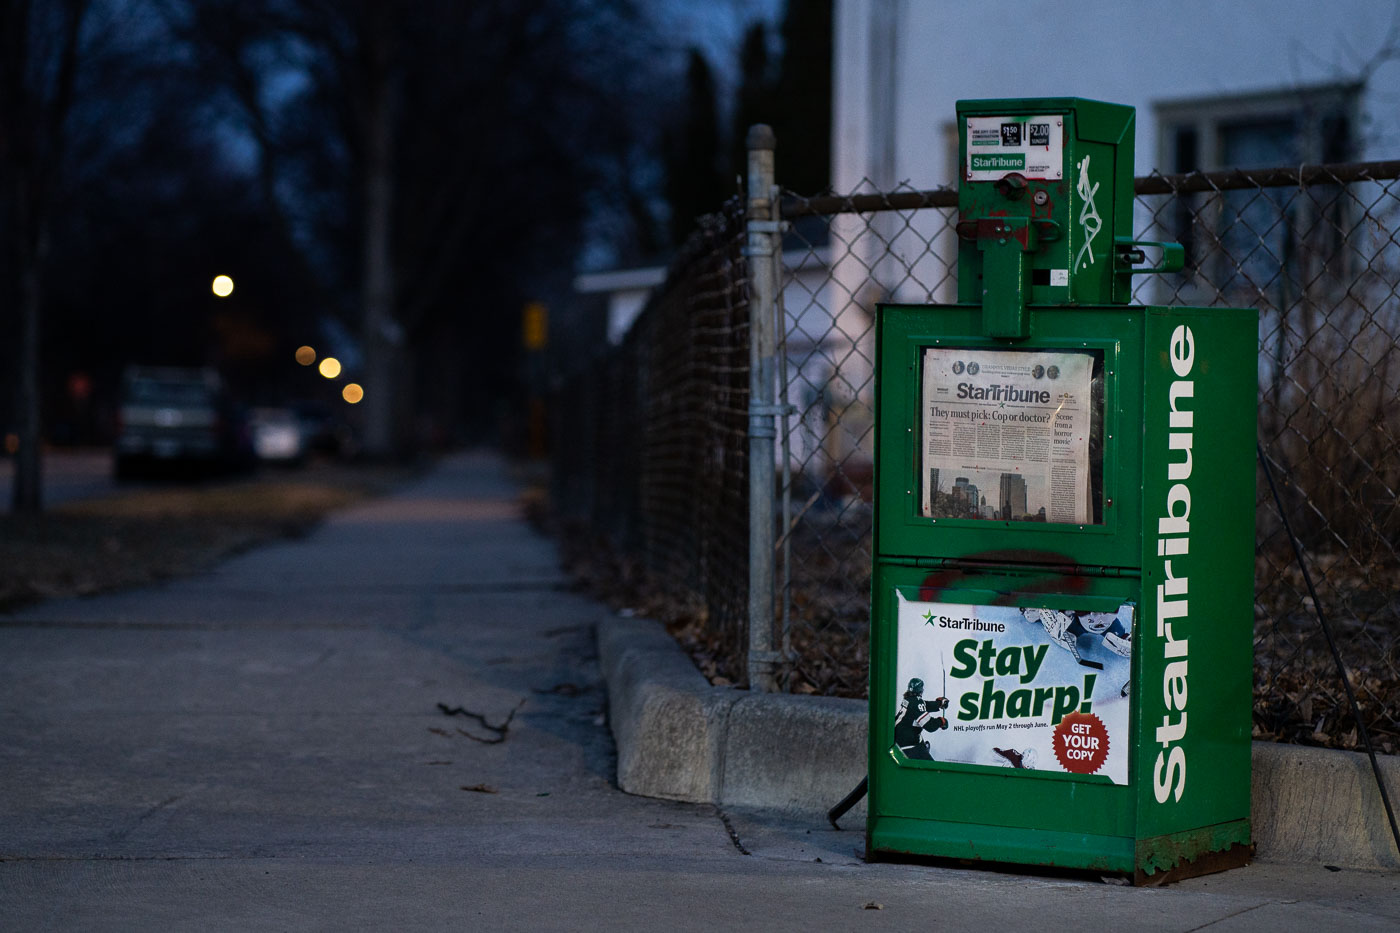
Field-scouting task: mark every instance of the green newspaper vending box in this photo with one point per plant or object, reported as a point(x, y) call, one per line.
point(1062, 597)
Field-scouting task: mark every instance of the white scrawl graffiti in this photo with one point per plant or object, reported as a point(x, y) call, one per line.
point(1089, 219)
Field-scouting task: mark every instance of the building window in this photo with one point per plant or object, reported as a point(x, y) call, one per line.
point(1299, 125)
point(1266, 241)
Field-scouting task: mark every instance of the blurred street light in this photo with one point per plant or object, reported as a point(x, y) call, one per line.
point(223, 286)
point(352, 393)
point(306, 356)
point(330, 367)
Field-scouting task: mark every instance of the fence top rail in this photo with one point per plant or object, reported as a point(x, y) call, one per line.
point(1184, 183)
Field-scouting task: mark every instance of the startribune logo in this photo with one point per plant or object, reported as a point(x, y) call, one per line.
point(1174, 618)
point(990, 163)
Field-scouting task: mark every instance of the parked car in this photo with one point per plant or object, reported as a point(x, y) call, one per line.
point(279, 436)
point(181, 417)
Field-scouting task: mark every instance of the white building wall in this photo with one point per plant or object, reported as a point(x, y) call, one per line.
point(1128, 53)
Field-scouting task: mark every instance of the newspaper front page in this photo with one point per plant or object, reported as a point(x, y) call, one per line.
point(1006, 434)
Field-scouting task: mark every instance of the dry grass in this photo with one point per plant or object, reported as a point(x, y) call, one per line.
point(159, 532)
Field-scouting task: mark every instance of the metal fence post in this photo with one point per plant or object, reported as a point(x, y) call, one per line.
point(764, 237)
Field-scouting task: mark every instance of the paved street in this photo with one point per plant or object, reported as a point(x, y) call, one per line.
point(263, 748)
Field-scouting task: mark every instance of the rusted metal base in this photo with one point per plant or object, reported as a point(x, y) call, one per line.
point(1236, 856)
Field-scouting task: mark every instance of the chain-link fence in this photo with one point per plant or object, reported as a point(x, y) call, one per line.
point(650, 446)
point(1314, 248)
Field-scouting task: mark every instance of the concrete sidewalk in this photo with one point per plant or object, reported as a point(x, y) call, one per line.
point(263, 747)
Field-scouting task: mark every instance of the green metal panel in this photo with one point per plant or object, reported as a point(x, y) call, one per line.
point(1196, 648)
point(961, 810)
point(1023, 845)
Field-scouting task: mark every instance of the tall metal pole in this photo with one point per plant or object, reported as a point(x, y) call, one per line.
point(764, 238)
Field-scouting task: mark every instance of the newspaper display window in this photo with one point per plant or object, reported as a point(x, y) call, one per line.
point(1012, 435)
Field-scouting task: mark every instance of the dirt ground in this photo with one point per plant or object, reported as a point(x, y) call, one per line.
point(155, 531)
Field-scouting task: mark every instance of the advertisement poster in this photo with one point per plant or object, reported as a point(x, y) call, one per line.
point(1030, 688)
point(1006, 435)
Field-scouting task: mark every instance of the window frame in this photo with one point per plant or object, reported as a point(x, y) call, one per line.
point(1307, 107)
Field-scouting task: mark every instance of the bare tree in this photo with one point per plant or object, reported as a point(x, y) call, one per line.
point(457, 146)
point(40, 46)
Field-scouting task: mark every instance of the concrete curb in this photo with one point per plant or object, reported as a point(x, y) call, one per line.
point(679, 738)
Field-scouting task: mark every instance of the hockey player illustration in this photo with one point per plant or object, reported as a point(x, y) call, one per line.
point(1016, 758)
point(1065, 628)
point(1115, 637)
point(1106, 625)
point(1057, 625)
point(917, 716)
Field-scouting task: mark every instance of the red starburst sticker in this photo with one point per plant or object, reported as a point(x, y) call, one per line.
point(1081, 743)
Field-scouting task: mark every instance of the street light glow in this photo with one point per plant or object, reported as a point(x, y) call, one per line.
point(306, 356)
point(223, 286)
point(352, 393)
point(330, 367)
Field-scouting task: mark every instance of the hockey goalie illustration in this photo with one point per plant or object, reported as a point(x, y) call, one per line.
point(1068, 628)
